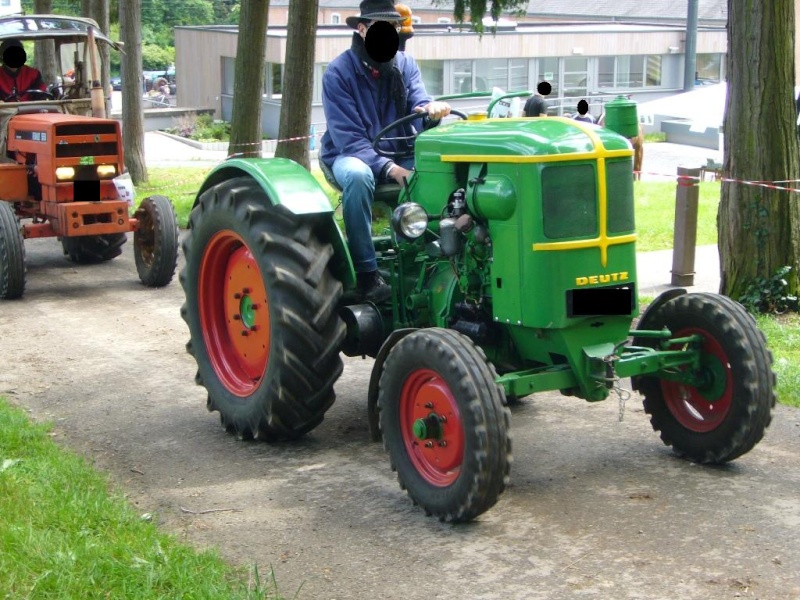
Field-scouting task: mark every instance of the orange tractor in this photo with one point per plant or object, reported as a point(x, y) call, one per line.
point(61, 167)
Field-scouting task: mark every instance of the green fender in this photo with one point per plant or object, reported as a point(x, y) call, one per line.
point(289, 184)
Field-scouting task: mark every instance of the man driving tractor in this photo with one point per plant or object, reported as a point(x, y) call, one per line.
point(361, 95)
point(18, 80)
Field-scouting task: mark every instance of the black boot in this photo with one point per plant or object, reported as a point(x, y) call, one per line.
point(372, 287)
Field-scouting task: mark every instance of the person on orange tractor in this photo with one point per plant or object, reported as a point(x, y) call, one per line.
point(17, 78)
point(360, 96)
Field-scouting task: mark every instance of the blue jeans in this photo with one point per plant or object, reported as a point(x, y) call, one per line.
point(358, 187)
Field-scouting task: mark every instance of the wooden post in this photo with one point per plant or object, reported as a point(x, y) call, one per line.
point(97, 93)
point(687, 195)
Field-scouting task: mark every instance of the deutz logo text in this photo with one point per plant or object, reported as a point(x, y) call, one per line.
point(607, 278)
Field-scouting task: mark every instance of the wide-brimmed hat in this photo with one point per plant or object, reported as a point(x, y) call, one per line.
point(375, 10)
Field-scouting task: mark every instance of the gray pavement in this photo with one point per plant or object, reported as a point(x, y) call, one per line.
point(661, 161)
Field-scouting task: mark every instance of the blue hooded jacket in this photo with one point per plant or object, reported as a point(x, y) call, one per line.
point(357, 106)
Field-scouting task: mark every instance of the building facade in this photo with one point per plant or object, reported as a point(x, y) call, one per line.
point(592, 61)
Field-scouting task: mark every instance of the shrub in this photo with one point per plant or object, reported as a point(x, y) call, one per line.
point(769, 295)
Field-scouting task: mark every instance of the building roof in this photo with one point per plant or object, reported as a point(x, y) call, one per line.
point(648, 10)
point(666, 10)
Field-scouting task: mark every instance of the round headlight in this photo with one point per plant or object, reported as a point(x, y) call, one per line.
point(409, 220)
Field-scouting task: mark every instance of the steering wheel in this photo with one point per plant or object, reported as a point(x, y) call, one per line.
point(42, 96)
point(402, 121)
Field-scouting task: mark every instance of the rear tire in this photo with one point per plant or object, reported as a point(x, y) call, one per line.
point(12, 254)
point(155, 242)
point(728, 416)
point(261, 310)
point(457, 469)
point(93, 249)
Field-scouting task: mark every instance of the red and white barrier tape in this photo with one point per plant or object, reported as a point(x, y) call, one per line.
point(690, 178)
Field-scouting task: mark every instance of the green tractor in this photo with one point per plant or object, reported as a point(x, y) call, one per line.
point(511, 256)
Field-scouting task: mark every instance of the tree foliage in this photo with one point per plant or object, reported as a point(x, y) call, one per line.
point(157, 58)
point(158, 16)
point(477, 9)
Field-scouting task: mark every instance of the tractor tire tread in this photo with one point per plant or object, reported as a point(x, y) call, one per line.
point(306, 332)
point(484, 414)
point(12, 254)
point(160, 272)
point(754, 381)
point(93, 249)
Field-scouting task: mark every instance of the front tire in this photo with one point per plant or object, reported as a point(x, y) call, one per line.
point(12, 254)
point(261, 310)
point(93, 249)
point(445, 424)
point(727, 416)
point(155, 242)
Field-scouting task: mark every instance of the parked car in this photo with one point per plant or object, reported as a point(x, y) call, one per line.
point(116, 84)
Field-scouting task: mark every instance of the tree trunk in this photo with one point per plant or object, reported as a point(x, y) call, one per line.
point(298, 84)
point(130, 29)
point(248, 82)
point(759, 228)
point(45, 58)
point(100, 13)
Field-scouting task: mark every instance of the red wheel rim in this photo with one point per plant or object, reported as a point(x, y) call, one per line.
point(438, 459)
point(234, 313)
point(688, 404)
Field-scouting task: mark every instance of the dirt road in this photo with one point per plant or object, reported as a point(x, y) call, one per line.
point(596, 508)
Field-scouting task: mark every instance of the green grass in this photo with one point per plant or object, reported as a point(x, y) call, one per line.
point(656, 136)
point(655, 214)
point(179, 184)
point(783, 338)
point(64, 534)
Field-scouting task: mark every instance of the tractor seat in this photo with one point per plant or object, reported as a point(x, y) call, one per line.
point(387, 193)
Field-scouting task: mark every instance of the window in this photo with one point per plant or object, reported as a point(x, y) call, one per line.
point(569, 201)
point(605, 72)
point(273, 84)
point(319, 71)
point(485, 74)
point(336, 18)
point(630, 71)
point(416, 20)
point(626, 72)
point(432, 76)
point(489, 73)
point(228, 68)
point(462, 77)
point(443, 20)
point(549, 71)
point(652, 71)
point(517, 74)
point(709, 67)
point(575, 77)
